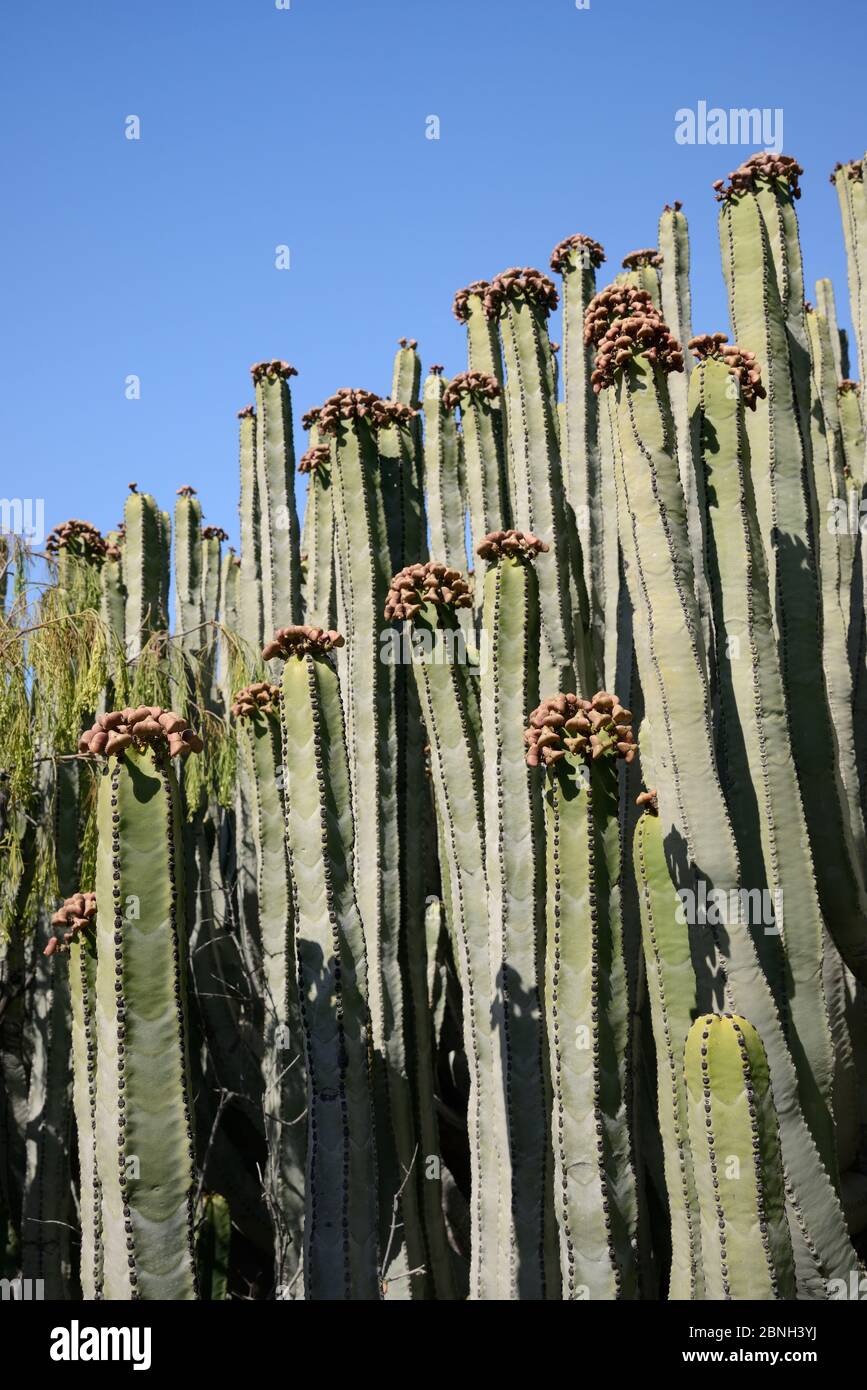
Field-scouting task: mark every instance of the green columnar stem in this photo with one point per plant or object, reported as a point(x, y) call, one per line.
point(582, 460)
point(320, 607)
point(757, 767)
point(82, 987)
point(188, 570)
point(746, 1248)
point(113, 601)
point(275, 478)
point(827, 307)
point(144, 1137)
point(444, 496)
point(230, 616)
point(514, 838)
point(852, 429)
point(784, 512)
point(251, 614)
point(852, 195)
point(699, 839)
point(283, 1064)
point(672, 989)
point(594, 1190)
point(370, 687)
point(341, 1254)
point(144, 562)
point(450, 711)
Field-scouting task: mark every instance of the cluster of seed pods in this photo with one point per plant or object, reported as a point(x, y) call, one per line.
point(461, 301)
point(854, 170)
point(419, 584)
point(673, 207)
point(592, 253)
point(848, 385)
point(301, 641)
point(520, 283)
point(741, 363)
point(247, 412)
point(410, 343)
point(588, 729)
point(311, 417)
point(764, 165)
point(214, 533)
point(622, 321)
point(648, 801)
point(75, 914)
point(648, 255)
point(186, 491)
point(314, 457)
point(521, 545)
point(348, 404)
point(473, 385)
point(148, 726)
point(81, 538)
point(261, 370)
point(259, 698)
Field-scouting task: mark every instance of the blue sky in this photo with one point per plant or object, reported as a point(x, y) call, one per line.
point(306, 127)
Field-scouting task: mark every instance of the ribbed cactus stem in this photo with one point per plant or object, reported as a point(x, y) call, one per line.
point(514, 838)
point(758, 773)
point(782, 490)
point(520, 302)
point(341, 1247)
point(188, 569)
point(256, 710)
point(826, 305)
point(577, 259)
point(251, 617)
point(671, 985)
point(578, 743)
point(442, 475)
point(275, 478)
point(145, 570)
point(144, 1126)
point(746, 1247)
point(75, 934)
point(848, 179)
point(320, 608)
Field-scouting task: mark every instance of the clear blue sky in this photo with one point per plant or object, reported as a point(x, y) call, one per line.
point(306, 126)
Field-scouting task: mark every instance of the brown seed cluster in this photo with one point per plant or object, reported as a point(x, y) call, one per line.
point(767, 166)
point(301, 641)
point(520, 283)
point(311, 417)
point(260, 697)
point(315, 457)
point(79, 538)
point(149, 726)
point(848, 385)
point(741, 363)
point(347, 404)
point(186, 491)
point(419, 584)
point(589, 729)
point(621, 321)
point(436, 369)
point(517, 545)
point(214, 533)
point(262, 370)
point(854, 170)
point(673, 207)
point(461, 301)
point(75, 914)
point(411, 343)
point(247, 412)
point(592, 252)
point(649, 802)
point(477, 386)
point(648, 255)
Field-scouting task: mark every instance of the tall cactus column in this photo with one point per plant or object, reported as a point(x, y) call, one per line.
point(635, 352)
point(275, 480)
point(514, 838)
point(578, 744)
point(319, 596)
point(145, 569)
point(341, 1246)
point(188, 569)
point(144, 1137)
point(377, 741)
point(256, 708)
point(746, 1247)
point(74, 934)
